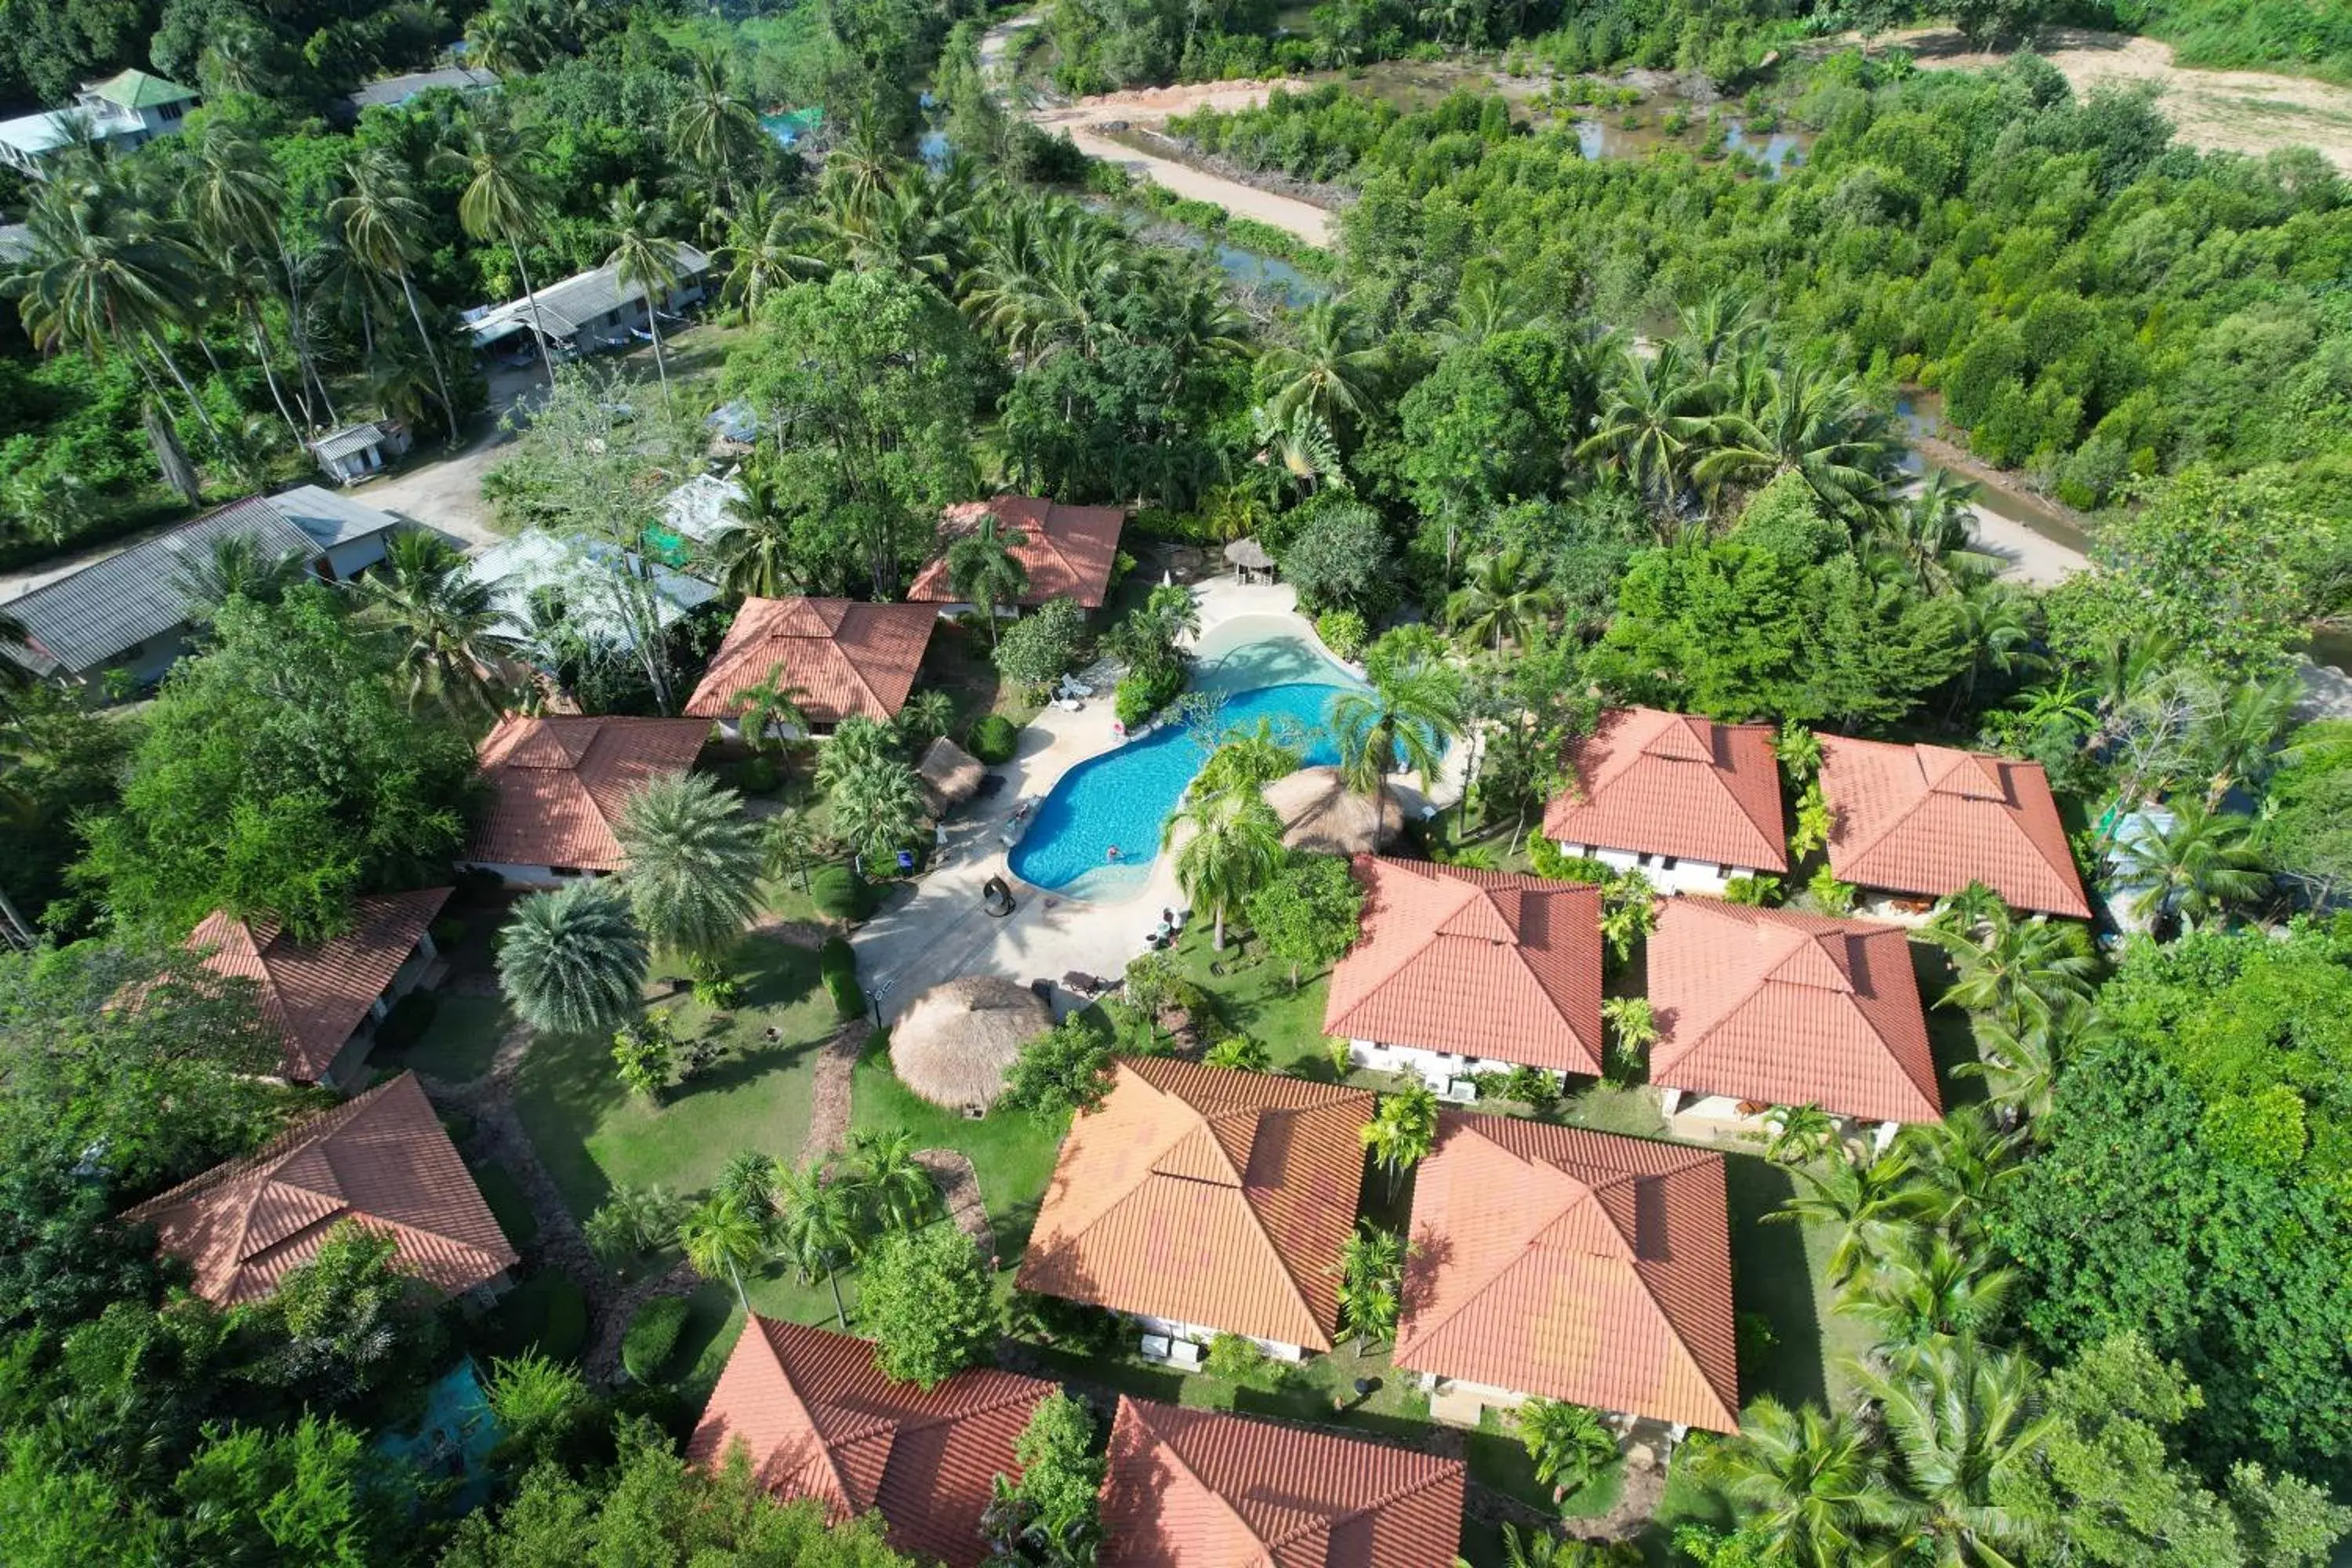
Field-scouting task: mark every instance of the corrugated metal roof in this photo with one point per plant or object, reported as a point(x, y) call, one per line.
point(579, 300)
point(1673, 783)
point(350, 438)
point(394, 90)
point(135, 88)
point(1929, 820)
point(580, 570)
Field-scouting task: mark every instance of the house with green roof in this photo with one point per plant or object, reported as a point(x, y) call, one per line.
point(124, 111)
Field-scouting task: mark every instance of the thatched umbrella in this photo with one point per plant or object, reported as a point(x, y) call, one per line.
point(949, 776)
point(1249, 556)
point(1323, 816)
point(954, 1042)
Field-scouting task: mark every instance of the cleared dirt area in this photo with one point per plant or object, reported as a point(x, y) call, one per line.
point(2237, 111)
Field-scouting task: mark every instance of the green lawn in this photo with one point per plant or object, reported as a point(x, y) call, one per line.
point(1253, 996)
point(457, 1045)
point(507, 1204)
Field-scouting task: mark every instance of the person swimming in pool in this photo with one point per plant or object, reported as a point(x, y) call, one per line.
point(1112, 854)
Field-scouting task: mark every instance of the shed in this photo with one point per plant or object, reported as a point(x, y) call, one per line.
point(950, 775)
point(954, 1043)
point(351, 453)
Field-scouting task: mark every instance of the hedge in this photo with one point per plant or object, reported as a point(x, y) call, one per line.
point(994, 739)
point(651, 1338)
point(838, 892)
point(406, 1023)
point(838, 964)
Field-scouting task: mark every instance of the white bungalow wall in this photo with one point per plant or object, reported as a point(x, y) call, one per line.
point(1667, 873)
point(1439, 1070)
point(1722, 1111)
point(1201, 1333)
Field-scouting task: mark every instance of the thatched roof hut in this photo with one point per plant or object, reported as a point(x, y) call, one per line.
point(949, 776)
point(1248, 554)
point(954, 1042)
point(1323, 816)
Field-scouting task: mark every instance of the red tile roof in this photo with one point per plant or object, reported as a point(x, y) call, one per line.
point(821, 1421)
point(1929, 820)
point(1199, 1489)
point(1068, 549)
point(1208, 1196)
point(1577, 1266)
point(1790, 1009)
point(846, 657)
point(558, 784)
point(1669, 784)
point(1486, 963)
point(314, 995)
point(381, 1159)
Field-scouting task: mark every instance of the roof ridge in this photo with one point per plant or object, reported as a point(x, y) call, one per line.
point(806, 1412)
point(266, 1157)
point(1167, 1443)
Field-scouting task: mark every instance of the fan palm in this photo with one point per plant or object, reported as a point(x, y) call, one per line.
point(2192, 870)
point(1300, 446)
point(1864, 1196)
point(1934, 1288)
point(1806, 1484)
point(1657, 416)
point(817, 1227)
point(504, 194)
point(1235, 850)
point(1962, 1421)
point(1502, 600)
point(383, 226)
point(878, 809)
point(573, 962)
point(983, 569)
point(1413, 710)
point(1401, 1131)
point(721, 1237)
point(236, 566)
point(694, 862)
point(1332, 370)
point(441, 613)
point(890, 1177)
point(642, 258)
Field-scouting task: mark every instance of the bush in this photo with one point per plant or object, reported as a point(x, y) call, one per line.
point(1756, 892)
point(993, 739)
point(758, 776)
point(1068, 1068)
point(1147, 691)
point(448, 931)
point(651, 1338)
point(838, 892)
point(1550, 860)
point(406, 1023)
point(838, 962)
point(1343, 632)
point(1036, 648)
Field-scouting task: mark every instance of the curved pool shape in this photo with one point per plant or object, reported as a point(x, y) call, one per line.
point(1262, 670)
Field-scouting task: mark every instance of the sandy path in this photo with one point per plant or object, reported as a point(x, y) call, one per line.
point(2231, 110)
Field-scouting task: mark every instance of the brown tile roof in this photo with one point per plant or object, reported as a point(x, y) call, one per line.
point(821, 1421)
point(1199, 1489)
point(848, 657)
point(1670, 784)
point(558, 784)
point(1068, 549)
point(1930, 820)
point(1578, 1266)
point(381, 1159)
point(1486, 963)
point(314, 995)
point(1790, 1009)
point(1206, 1196)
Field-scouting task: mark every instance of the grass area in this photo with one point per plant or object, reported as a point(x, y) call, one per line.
point(1252, 996)
point(457, 1045)
point(507, 1204)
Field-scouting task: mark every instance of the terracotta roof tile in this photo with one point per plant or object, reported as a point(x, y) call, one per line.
point(821, 1421)
point(1486, 963)
point(1790, 1009)
point(315, 995)
point(1577, 1266)
point(848, 657)
point(1199, 1489)
point(1929, 820)
point(1208, 1196)
point(1068, 549)
point(381, 1159)
point(1671, 783)
point(558, 784)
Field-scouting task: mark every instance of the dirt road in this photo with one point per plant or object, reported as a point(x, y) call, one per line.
point(2238, 112)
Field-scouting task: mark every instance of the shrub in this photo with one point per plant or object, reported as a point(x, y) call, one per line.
point(758, 776)
point(1036, 648)
point(1067, 1068)
point(1147, 691)
point(448, 931)
point(1550, 860)
point(1756, 892)
point(839, 893)
point(1830, 895)
point(838, 962)
point(1343, 631)
point(651, 1338)
point(408, 1021)
point(993, 739)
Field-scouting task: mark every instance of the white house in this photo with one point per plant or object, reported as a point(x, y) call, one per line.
point(591, 311)
point(121, 112)
point(351, 453)
point(1688, 802)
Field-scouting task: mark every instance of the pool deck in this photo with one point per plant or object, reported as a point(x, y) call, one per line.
point(936, 930)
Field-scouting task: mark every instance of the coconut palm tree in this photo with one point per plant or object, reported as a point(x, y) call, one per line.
point(573, 962)
point(2019, 969)
point(721, 1237)
point(2018, 1061)
point(1807, 1485)
point(878, 809)
point(1798, 1134)
point(1723, 326)
point(1332, 370)
point(236, 566)
point(1503, 599)
point(505, 194)
point(788, 843)
point(753, 549)
point(383, 226)
point(769, 247)
point(1958, 1167)
point(1536, 1549)
point(2191, 870)
point(1963, 1421)
point(1658, 416)
point(1932, 531)
point(1567, 1443)
point(1632, 1028)
point(889, 1177)
point(440, 612)
point(1403, 1130)
point(1235, 850)
point(1933, 1288)
point(1485, 306)
point(817, 1227)
point(1867, 1197)
point(1410, 715)
point(923, 717)
point(1811, 424)
point(983, 569)
point(2235, 738)
point(230, 193)
point(642, 258)
point(694, 862)
point(714, 128)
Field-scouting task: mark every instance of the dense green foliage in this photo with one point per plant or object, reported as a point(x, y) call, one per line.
point(927, 1304)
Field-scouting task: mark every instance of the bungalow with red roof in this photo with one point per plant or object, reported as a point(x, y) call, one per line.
point(819, 1420)
point(1921, 823)
point(381, 1160)
point(1458, 972)
point(557, 787)
point(323, 999)
point(1069, 552)
point(1688, 802)
point(1203, 1489)
point(845, 659)
point(1762, 1008)
point(1200, 1201)
point(1574, 1266)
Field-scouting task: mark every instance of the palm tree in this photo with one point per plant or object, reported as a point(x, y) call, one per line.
point(754, 548)
point(231, 196)
point(714, 129)
point(1633, 1029)
point(788, 843)
point(857, 743)
point(1403, 1130)
point(983, 569)
point(817, 1227)
point(878, 807)
point(505, 194)
point(1963, 1422)
point(774, 702)
point(891, 1178)
point(642, 259)
point(2235, 738)
point(694, 862)
point(384, 225)
point(722, 1235)
point(924, 716)
point(767, 248)
point(1932, 1289)
point(2019, 1059)
point(1658, 414)
point(1932, 532)
point(1957, 1167)
point(1536, 1550)
point(1806, 1484)
point(1567, 1443)
point(442, 614)
point(573, 962)
point(1798, 1134)
point(236, 567)
point(1722, 326)
point(1811, 424)
point(1412, 711)
point(1371, 1284)
point(1235, 850)
point(1332, 370)
point(1865, 1196)
point(2019, 969)
point(2191, 870)
point(1503, 600)
point(1484, 306)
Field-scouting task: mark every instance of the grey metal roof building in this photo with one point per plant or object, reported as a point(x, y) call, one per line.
point(394, 90)
point(580, 303)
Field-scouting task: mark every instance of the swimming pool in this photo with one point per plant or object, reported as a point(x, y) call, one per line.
point(1261, 670)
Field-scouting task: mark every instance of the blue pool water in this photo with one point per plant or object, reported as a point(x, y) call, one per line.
point(1124, 796)
point(455, 1438)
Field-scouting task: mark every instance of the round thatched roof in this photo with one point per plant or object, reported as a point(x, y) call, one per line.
point(947, 775)
point(1248, 553)
point(954, 1042)
point(1323, 816)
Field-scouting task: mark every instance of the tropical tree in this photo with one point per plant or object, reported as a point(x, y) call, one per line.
point(890, 1177)
point(790, 844)
point(1401, 1130)
point(693, 863)
point(1964, 1422)
point(1633, 1029)
point(1866, 1196)
point(721, 1237)
point(441, 613)
point(642, 258)
point(1659, 414)
point(774, 702)
point(878, 806)
point(1932, 1289)
point(1371, 1285)
point(1569, 1443)
point(1331, 370)
point(383, 227)
point(505, 194)
point(573, 962)
point(1810, 423)
point(1503, 599)
point(236, 566)
point(753, 549)
point(983, 569)
point(2018, 1059)
point(1958, 1167)
point(2020, 970)
point(1932, 531)
point(819, 1226)
point(2191, 870)
point(1807, 1485)
point(715, 128)
point(1234, 848)
point(1798, 1134)
point(1407, 719)
point(768, 247)
point(230, 193)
